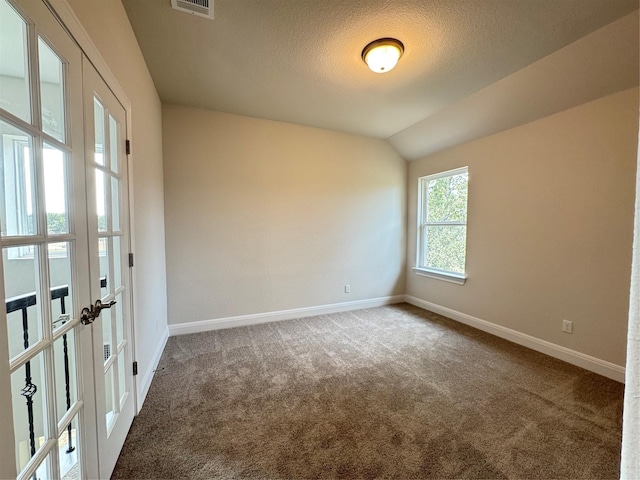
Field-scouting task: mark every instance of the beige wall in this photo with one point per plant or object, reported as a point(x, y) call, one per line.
point(265, 216)
point(108, 26)
point(550, 226)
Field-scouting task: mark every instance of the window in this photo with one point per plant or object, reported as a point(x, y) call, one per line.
point(442, 225)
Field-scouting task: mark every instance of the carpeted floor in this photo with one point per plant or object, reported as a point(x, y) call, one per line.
point(393, 392)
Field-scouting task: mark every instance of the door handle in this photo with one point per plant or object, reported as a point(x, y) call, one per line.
point(89, 315)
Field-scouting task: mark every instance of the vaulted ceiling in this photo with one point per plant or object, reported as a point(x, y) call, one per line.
point(299, 61)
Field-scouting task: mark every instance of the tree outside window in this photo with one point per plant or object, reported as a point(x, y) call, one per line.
point(442, 229)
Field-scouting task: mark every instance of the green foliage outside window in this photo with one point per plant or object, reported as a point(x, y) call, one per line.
point(57, 223)
point(446, 248)
point(447, 199)
point(444, 224)
point(102, 223)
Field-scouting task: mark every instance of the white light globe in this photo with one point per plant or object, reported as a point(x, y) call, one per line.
point(383, 54)
point(382, 58)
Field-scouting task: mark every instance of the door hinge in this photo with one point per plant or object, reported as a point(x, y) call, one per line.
point(130, 260)
point(135, 368)
point(127, 145)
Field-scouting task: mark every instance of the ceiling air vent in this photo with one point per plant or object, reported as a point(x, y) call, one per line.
point(201, 8)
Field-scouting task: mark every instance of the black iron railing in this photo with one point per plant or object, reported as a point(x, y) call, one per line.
point(22, 303)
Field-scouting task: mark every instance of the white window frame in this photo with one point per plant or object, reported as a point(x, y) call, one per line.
point(422, 223)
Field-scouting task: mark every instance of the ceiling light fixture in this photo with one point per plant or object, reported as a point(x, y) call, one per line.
point(383, 54)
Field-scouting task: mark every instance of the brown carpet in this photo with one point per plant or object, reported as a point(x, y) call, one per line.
point(393, 392)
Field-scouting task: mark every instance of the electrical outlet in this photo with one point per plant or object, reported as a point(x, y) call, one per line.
point(347, 289)
point(567, 326)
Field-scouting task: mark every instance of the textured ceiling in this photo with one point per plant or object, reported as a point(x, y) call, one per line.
point(299, 60)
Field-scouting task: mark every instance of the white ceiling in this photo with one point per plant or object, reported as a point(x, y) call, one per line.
point(299, 61)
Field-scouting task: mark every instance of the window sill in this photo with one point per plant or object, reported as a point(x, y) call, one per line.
point(451, 277)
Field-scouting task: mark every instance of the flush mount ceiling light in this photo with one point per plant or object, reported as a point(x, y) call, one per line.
point(383, 54)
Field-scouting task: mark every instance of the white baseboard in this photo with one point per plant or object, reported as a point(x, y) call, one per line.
point(143, 386)
point(607, 369)
point(256, 318)
point(601, 367)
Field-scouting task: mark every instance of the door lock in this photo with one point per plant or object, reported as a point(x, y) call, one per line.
point(89, 315)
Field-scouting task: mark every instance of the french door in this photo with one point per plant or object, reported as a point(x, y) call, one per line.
point(64, 239)
point(105, 127)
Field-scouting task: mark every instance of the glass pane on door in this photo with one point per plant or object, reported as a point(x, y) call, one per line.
point(55, 190)
point(117, 264)
point(22, 297)
point(61, 283)
point(18, 183)
point(51, 91)
point(109, 392)
point(121, 377)
point(113, 144)
point(119, 320)
point(103, 254)
point(98, 119)
point(44, 470)
point(14, 63)
point(115, 202)
point(64, 354)
point(107, 335)
point(29, 409)
point(68, 451)
point(101, 201)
